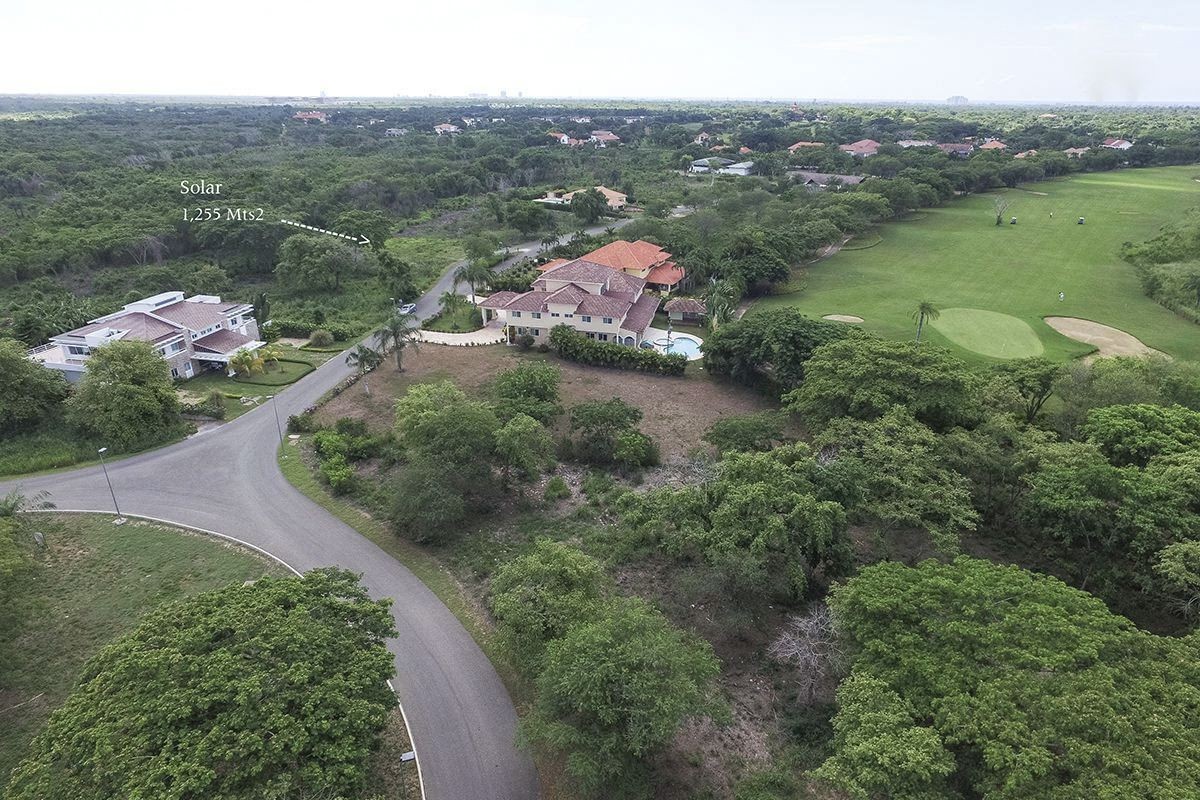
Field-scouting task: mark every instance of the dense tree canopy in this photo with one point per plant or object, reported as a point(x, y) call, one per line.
point(27, 389)
point(772, 345)
point(275, 689)
point(973, 677)
point(126, 398)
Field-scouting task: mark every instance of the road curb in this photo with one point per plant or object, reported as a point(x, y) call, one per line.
point(243, 543)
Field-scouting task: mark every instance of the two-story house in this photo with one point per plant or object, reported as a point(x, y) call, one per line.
point(596, 300)
point(191, 334)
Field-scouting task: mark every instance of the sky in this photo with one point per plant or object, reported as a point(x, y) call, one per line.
point(1098, 51)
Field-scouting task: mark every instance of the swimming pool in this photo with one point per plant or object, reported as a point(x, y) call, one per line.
point(680, 343)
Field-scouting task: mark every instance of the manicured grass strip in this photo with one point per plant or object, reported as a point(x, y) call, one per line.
point(467, 318)
point(988, 332)
point(96, 581)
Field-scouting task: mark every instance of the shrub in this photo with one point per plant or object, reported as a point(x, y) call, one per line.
point(574, 346)
point(524, 341)
point(320, 338)
point(529, 389)
point(556, 489)
point(304, 422)
point(338, 474)
point(298, 329)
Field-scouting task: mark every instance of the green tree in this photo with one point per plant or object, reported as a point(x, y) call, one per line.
point(375, 225)
point(296, 665)
point(208, 279)
point(1034, 380)
point(314, 263)
point(524, 446)
point(479, 248)
point(771, 346)
point(395, 276)
point(924, 312)
point(864, 377)
point(529, 388)
point(599, 423)
point(1033, 689)
point(889, 470)
point(246, 362)
point(540, 596)
point(472, 273)
point(28, 391)
point(451, 302)
point(364, 359)
point(126, 399)
point(747, 432)
point(1133, 434)
point(398, 334)
point(527, 217)
point(588, 206)
point(614, 691)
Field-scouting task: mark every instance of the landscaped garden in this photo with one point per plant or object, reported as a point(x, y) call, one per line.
point(996, 283)
point(465, 317)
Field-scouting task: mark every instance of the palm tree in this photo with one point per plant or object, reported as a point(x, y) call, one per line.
point(925, 312)
point(549, 240)
point(270, 354)
point(365, 359)
point(451, 302)
point(398, 333)
point(471, 273)
point(245, 362)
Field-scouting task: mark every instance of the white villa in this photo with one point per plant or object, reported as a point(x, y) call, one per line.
point(191, 334)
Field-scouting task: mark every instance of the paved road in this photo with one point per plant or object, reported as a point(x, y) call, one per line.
point(226, 480)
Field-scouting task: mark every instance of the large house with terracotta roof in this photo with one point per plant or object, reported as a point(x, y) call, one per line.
point(596, 300)
point(642, 260)
point(862, 148)
point(191, 334)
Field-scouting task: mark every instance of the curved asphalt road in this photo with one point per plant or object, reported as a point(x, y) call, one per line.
point(226, 480)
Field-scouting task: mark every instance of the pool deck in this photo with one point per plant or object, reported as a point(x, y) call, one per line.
point(653, 335)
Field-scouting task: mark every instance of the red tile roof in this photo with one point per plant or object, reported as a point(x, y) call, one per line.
point(196, 316)
point(623, 255)
point(138, 327)
point(638, 318)
point(667, 274)
point(552, 263)
point(793, 148)
point(994, 144)
point(863, 147)
point(498, 300)
point(686, 305)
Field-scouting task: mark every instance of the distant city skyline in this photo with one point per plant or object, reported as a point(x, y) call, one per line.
point(864, 50)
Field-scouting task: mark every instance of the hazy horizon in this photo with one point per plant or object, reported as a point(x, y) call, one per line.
point(867, 51)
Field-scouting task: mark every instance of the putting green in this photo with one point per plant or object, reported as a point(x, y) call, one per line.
point(988, 332)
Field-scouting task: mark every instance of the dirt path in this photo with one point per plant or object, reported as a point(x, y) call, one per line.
point(1108, 341)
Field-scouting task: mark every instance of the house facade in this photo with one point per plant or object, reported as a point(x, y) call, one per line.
point(192, 334)
point(600, 302)
point(446, 128)
point(616, 200)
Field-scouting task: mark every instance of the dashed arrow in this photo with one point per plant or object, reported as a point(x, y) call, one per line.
point(360, 239)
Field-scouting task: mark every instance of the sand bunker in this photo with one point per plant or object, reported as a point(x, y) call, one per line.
point(843, 318)
point(1108, 341)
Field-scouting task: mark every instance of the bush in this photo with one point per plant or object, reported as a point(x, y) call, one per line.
point(556, 489)
point(304, 422)
point(524, 341)
point(338, 474)
point(576, 347)
point(297, 329)
point(320, 338)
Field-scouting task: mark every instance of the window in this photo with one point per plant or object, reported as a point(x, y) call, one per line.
point(608, 320)
point(604, 337)
point(76, 350)
point(175, 347)
point(586, 318)
point(591, 335)
point(554, 313)
point(174, 372)
point(535, 331)
point(537, 315)
point(516, 313)
point(569, 316)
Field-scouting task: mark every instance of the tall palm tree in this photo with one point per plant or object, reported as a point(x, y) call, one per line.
point(924, 312)
point(398, 333)
point(365, 359)
point(472, 273)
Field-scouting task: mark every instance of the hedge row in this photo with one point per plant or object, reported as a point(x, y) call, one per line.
point(576, 347)
point(302, 329)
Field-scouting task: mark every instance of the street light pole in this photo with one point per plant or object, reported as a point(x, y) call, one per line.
point(278, 428)
point(108, 480)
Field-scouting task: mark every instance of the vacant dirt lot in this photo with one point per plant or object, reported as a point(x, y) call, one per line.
point(677, 410)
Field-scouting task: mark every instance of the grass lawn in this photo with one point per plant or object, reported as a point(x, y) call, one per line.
point(294, 365)
point(466, 318)
point(428, 255)
point(96, 580)
point(958, 259)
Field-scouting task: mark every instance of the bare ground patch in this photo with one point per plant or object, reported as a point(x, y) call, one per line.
point(1107, 340)
point(677, 410)
point(842, 318)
